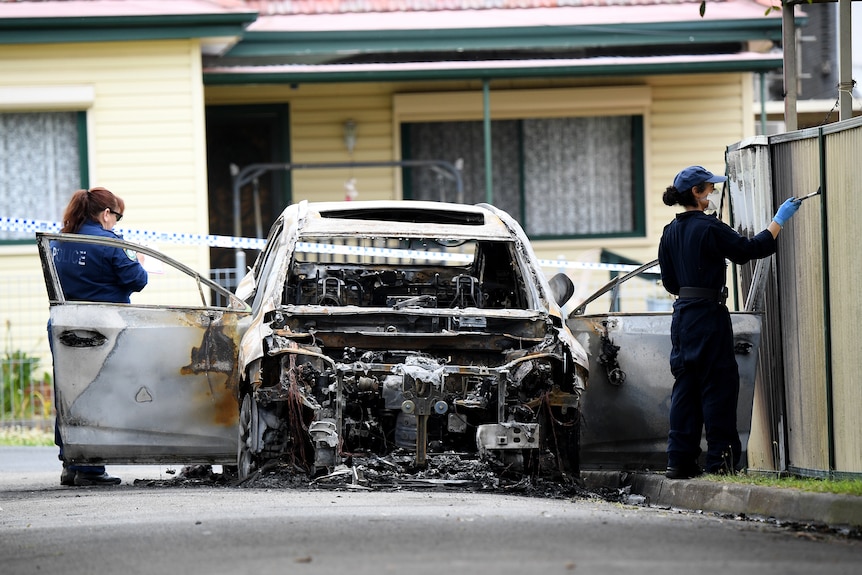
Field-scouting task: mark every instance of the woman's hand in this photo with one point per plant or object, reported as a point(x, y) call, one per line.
point(786, 211)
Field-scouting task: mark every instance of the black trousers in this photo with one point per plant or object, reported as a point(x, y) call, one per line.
point(706, 387)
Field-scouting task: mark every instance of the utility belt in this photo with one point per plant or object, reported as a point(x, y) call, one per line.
point(716, 295)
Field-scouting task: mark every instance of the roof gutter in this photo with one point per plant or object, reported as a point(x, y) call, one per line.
point(122, 28)
point(341, 42)
point(486, 70)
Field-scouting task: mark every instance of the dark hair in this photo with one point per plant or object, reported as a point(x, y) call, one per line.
point(86, 205)
point(673, 196)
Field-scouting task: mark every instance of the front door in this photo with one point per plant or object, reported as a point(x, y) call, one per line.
point(239, 136)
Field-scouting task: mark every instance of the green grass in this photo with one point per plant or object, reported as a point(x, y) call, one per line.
point(840, 486)
point(18, 435)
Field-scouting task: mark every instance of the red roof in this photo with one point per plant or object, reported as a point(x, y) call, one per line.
point(634, 8)
point(116, 8)
point(284, 15)
point(275, 7)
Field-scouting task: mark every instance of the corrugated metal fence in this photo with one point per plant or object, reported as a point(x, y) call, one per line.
point(809, 393)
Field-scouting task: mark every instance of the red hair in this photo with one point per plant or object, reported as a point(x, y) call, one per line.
point(87, 205)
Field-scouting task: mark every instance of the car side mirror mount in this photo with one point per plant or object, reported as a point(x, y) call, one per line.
point(562, 288)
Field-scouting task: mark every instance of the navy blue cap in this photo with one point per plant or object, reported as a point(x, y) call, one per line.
point(693, 176)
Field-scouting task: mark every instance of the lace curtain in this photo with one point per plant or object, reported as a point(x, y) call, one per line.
point(558, 176)
point(463, 142)
point(39, 166)
point(578, 173)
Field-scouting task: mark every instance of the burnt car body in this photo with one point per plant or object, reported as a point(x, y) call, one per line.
point(417, 326)
point(370, 328)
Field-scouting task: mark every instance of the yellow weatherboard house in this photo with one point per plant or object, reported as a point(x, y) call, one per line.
point(570, 116)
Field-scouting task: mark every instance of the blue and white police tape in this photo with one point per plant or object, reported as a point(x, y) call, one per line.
point(147, 237)
point(140, 236)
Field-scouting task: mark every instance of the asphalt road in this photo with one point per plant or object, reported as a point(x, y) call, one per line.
point(142, 528)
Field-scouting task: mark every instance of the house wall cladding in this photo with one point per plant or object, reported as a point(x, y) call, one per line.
point(145, 128)
point(812, 303)
point(146, 142)
point(687, 120)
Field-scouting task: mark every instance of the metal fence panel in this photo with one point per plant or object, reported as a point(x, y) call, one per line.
point(843, 154)
point(750, 188)
point(799, 264)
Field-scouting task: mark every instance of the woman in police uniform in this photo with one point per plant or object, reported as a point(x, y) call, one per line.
point(692, 253)
point(90, 272)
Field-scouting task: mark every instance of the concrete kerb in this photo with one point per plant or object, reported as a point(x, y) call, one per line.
point(751, 500)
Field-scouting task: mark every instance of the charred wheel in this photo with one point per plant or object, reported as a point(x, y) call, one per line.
point(563, 439)
point(249, 424)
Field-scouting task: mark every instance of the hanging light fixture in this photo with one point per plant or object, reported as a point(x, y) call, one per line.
point(349, 135)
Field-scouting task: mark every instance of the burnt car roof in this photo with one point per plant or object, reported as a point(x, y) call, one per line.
point(418, 214)
point(406, 218)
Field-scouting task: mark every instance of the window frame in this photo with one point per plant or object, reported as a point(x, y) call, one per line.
point(83, 156)
point(626, 100)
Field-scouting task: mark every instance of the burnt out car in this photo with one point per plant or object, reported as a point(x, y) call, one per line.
point(418, 327)
point(385, 330)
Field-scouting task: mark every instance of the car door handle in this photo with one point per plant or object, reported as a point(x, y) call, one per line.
point(82, 338)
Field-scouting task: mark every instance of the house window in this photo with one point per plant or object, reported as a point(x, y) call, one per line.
point(561, 177)
point(40, 165)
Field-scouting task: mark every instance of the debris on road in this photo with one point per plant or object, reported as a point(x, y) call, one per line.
point(446, 471)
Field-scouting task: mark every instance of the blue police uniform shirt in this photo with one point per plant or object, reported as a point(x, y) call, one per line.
point(694, 246)
point(90, 272)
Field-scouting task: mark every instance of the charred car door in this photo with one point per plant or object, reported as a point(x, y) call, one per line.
point(625, 328)
point(150, 381)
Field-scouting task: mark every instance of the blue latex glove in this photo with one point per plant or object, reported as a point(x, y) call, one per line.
point(786, 211)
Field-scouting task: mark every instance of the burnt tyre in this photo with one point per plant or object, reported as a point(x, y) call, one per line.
point(564, 441)
point(247, 448)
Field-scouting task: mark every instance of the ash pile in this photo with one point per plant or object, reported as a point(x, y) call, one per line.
point(444, 471)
